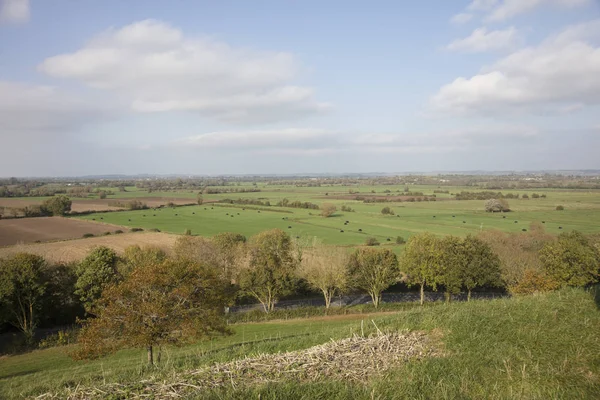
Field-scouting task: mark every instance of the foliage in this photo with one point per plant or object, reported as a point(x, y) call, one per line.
point(387, 211)
point(373, 270)
point(22, 287)
point(61, 306)
point(94, 273)
point(534, 281)
point(571, 260)
point(560, 208)
point(325, 269)
point(420, 261)
point(400, 240)
point(496, 205)
point(157, 304)
point(328, 209)
point(231, 251)
point(136, 257)
point(57, 205)
point(270, 268)
point(199, 199)
point(371, 241)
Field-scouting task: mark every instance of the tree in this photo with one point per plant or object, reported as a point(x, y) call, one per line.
point(57, 205)
point(481, 265)
point(169, 302)
point(231, 250)
point(420, 261)
point(21, 291)
point(270, 268)
point(373, 270)
point(495, 205)
point(387, 211)
point(134, 257)
point(94, 273)
point(571, 260)
point(328, 209)
point(200, 199)
point(372, 241)
point(325, 269)
point(102, 194)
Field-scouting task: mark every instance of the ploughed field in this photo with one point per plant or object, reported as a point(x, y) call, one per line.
point(75, 250)
point(43, 229)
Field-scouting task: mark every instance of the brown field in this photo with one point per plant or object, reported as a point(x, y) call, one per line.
point(82, 205)
point(27, 230)
point(75, 250)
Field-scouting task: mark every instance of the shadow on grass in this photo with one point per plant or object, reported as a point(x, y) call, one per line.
point(595, 291)
point(22, 373)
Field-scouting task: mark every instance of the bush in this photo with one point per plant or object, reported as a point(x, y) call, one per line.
point(387, 211)
point(328, 209)
point(106, 233)
point(61, 338)
point(88, 235)
point(153, 230)
point(372, 242)
point(400, 240)
point(188, 232)
point(135, 230)
point(534, 282)
point(118, 231)
point(560, 208)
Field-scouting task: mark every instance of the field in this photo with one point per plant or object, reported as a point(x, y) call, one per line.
point(91, 204)
point(27, 230)
point(538, 347)
point(445, 216)
point(75, 250)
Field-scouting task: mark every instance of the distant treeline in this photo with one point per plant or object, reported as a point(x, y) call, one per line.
point(488, 195)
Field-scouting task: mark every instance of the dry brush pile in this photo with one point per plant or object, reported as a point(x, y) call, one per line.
point(354, 359)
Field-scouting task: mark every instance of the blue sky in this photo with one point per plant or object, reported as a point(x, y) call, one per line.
point(204, 87)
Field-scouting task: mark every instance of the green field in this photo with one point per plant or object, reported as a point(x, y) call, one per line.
point(445, 216)
point(537, 347)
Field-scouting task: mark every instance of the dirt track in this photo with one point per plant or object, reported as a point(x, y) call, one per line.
point(28, 230)
point(75, 250)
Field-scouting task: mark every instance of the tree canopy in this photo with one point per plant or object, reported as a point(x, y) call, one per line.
point(373, 270)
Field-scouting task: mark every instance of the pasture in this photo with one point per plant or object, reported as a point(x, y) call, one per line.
point(444, 216)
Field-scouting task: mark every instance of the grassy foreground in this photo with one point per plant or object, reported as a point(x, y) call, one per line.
point(540, 347)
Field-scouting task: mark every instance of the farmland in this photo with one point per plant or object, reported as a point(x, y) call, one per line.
point(444, 216)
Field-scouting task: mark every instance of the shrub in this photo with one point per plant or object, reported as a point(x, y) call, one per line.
point(153, 230)
point(372, 242)
point(560, 208)
point(188, 232)
point(328, 209)
point(106, 233)
point(387, 211)
point(135, 230)
point(534, 282)
point(525, 196)
point(88, 235)
point(400, 240)
point(118, 231)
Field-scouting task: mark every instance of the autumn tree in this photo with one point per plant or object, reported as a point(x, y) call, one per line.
point(328, 209)
point(57, 205)
point(200, 199)
point(22, 287)
point(231, 252)
point(270, 268)
point(94, 273)
point(420, 261)
point(135, 256)
point(325, 269)
point(195, 248)
point(571, 260)
point(373, 270)
point(169, 302)
point(496, 205)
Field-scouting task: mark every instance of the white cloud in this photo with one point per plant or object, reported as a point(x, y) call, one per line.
point(305, 141)
point(483, 40)
point(461, 18)
point(14, 10)
point(41, 111)
point(501, 10)
point(157, 68)
point(562, 70)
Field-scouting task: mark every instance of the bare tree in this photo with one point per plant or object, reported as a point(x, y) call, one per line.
point(325, 269)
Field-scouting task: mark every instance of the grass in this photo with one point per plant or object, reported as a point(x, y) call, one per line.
point(441, 217)
point(539, 347)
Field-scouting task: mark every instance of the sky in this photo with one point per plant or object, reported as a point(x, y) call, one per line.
point(281, 87)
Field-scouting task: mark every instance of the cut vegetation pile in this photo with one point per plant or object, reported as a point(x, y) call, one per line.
point(354, 359)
